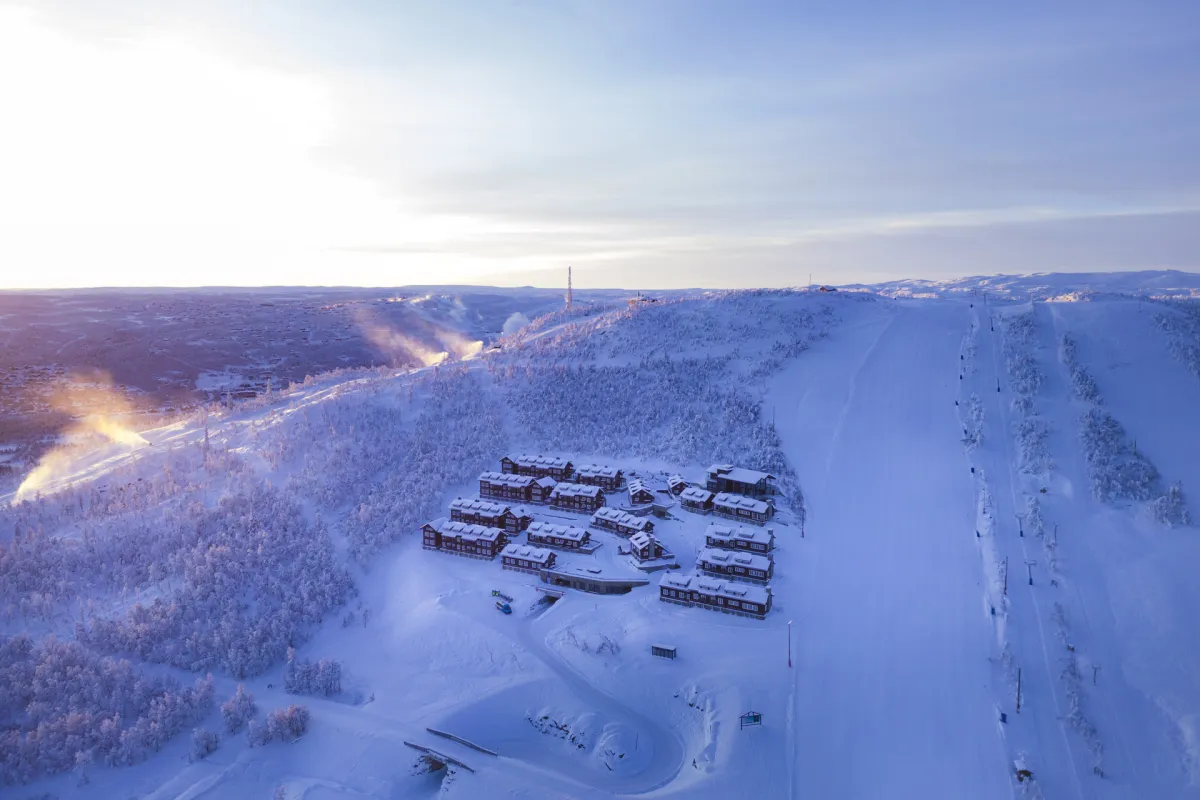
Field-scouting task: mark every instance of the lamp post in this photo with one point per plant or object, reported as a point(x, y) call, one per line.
point(789, 644)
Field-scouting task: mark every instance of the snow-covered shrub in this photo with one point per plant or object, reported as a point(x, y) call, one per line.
point(1033, 516)
point(238, 710)
point(1181, 323)
point(282, 724)
point(1020, 340)
point(60, 700)
point(1033, 454)
point(1082, 382)
point(1025, 378)
point(323, 677)
point(1117, 470)
point(1170, 508)
point(973, 422)
point(204, 742)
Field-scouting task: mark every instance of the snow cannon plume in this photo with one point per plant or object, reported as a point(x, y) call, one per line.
point(97, 409)
point(403, 349)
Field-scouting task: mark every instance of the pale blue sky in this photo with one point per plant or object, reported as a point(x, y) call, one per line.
point(651, 144)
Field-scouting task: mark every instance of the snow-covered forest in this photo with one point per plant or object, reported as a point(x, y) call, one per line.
point(186, 592)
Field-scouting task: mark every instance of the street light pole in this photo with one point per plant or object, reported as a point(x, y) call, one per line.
point(789, 644)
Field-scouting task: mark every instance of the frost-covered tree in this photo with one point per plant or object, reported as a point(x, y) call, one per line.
point(63, 706)
point(1170, 508)
point(238, 709)
point(204, 742)
point(323, 677)
point(282, 724)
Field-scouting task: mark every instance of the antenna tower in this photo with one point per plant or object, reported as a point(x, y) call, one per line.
point(568, 287)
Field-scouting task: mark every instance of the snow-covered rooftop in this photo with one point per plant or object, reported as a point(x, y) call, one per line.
point(477, 506)
point(569, 532)
point(619, 517)
point(638, 485)
point(725, 558)
point(696, 495)
point(596, 471)
point(518, 481)
point(740, 501)
point(466, 530)
point(739, 474)
point(715, 587)
point(539, 555)
point(539, 461)
point(641, 539)
point(575, 490)
point(731, 533)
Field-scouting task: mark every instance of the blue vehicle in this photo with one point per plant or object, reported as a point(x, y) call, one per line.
point(505, 607)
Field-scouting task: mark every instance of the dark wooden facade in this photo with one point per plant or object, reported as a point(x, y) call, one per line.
point(538, 466)
point(750, 482)
point(563, 537)
point(621, 522)
point(644, 547)
point(742, 509)
point(523, 558)
point(696, 500)
point(716, 595)
point(639, 493)
point(499, 486)
point(490, 514)
point(607, 478)
point(577, 497)
point(463, 538)
point(739, 566)
point(737, 537)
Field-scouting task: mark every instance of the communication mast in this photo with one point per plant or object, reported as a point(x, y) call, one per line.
point(568, 287)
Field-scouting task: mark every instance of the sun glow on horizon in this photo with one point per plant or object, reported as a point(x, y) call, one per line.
point(133, 162)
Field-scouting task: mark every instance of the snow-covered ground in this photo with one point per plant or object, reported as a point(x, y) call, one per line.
point(904, 471)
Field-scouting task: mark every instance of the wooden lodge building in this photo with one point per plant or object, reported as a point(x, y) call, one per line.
point(696, 500)
point(715, 594)
point(735, 565)
point(607, 478)
point(742, 509)
point(523, 558)
point(621, 522)
point(639, 493)
point(728, 478)
point(515, 488)
point(644, 547)
point(560, 469)
point(491, 514)
point(463, 538)
point(563, 537)
point(577, 497)
point(676, 484)
point(739, 537)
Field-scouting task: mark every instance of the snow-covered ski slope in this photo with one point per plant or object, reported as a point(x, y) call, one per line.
point(904, 468)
